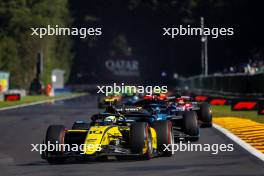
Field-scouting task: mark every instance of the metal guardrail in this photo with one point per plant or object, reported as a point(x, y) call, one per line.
point(228, 85)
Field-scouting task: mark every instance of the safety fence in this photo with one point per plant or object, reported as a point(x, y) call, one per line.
point(242, 84)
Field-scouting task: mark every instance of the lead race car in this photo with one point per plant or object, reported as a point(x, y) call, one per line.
point(111, 135)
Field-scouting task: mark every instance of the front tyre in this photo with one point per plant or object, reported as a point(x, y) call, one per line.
point(165, 136)
point(205, 114)
point(141, 140)
point(55, 135)
point(190, 125)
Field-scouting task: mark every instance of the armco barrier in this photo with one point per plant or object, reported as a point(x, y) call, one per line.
point(237, 104)
point(218, 101)
point(231, 83)
point(212, 99)
point(243, 105)
point(12, 97)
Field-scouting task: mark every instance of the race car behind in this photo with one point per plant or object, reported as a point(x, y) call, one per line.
point(203, 110)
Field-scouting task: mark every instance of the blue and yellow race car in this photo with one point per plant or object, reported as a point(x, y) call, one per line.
point(110, 135)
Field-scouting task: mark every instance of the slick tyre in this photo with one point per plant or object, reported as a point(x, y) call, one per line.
point(141, 140)
point(55, 135)
point(205, 114)
point(190, 125)
point(165, 136)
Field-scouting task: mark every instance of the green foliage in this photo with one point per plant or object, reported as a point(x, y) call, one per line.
point(18, 49)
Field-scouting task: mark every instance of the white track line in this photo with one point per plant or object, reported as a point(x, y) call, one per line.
point(39, 102)
point(240, 142)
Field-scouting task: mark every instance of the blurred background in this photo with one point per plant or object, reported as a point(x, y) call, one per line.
point(132, 48)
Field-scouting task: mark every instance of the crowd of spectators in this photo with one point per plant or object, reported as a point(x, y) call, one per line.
point(251, 67)
point(255, 64)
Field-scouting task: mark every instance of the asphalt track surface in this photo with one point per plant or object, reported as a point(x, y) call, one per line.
point(23, 126)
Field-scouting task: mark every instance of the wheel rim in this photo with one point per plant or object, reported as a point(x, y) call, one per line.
point(149, 145)
point(171, 140)
point(210, 110)
point(172, 137)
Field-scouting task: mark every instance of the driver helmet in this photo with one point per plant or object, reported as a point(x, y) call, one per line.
point(110, 119)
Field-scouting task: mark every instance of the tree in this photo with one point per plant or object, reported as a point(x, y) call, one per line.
point(19, 49)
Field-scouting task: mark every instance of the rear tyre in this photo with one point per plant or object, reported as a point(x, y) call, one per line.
point(164, 136)
point(55, 135)
point(205, 114)
point(190, 125)
point(141, 140)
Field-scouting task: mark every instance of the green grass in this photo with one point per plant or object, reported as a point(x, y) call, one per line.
point(35, 98)
point(225, 111)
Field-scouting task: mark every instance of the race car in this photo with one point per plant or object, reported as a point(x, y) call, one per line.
point(185, 125)
point(110, 99)
point(186, 103)
point(110, 135)
point(129, 99)
point(158, 96)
